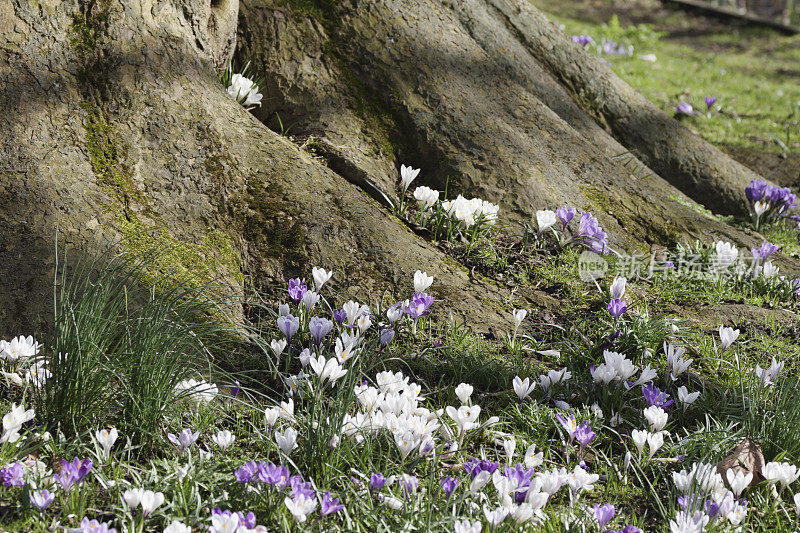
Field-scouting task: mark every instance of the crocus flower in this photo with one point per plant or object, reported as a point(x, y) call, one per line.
point(604, 514)
point(223, 439)
point(387, 334)
point(418, 306)
point(710, 101)
point(727, 336)
point(93, 526)
point(286, 440)
point(584, 435)
point(475, 466)
point(523, 387)
point(582, 39)
point(12, 476)
point(569, 424)
point(449, 485)
point(339, 315)
point(408, 484)
point(465, 416)
point(465, 526)
point(566, 214)
point(297, 288)
point(72, 473)
point(244, 90)
point(407, 175)
point(106, 439)
point(300, 507)
point(426, 197)
point(330, 505)
point(288, 325)
point(545, 219)
point(761, 253)
point(184, 439)
point(319, 328)
point(617, 307)
point(655, 397)
point(376, 482)
point(321, 276)
point(422, 281)
point(244, 474)
point(42, 498)
point(684, 108)
point(150, 501)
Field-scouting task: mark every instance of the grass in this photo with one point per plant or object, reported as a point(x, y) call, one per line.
point(751, 71)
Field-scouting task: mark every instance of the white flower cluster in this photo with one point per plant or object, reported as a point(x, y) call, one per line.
point(244, 90)
point(394, 405)
point(19, 359)
point(470, 212)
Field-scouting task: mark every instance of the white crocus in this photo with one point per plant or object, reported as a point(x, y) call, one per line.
point(407, 175)
point(687, 398)
point(738, 481)
point(321, 277)
point(150, 501)
point(654, 442)
point(465, 416)
point(422, 281)
point(545, 219)
point(519, 316)
point(677, 364)
point(466, 526)
point(656, 417)
point(106, 439)
point(327, 370)
point(639, 439)
point(278, 346)
point(509, 446)
point(286, 440)
point(464, 392)
point(727, 336)
point(617, 290)
point(426, 197)
point(300, 506)
point(726, 254)
point(523, 387)
point(223, 439)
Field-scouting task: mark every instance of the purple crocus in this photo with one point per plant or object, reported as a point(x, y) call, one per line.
point(244, 474)
point(93, 526)
point(449, 485)
point(387, 334)
point(761, 253)
point(300, 487)
point(319, 328)
point(593, 235)
point(42, 498)
point(566, 214)
point(582, 39)
point(710, 101)
point(184, 439)
point(684, 108)
point(12, 476)
point(330, 505)
point(72, 473)
point(584, 435)
point(339, 315)
point(755, 191)
point(604, 514)
point(288, 325)
point(297, 288)
point(521, 477)
point(475, 466)
point(655, 397)
point(376, 482)
point(236, 388)
point(274, 475)
point(569, 424)
point(617, 307)
point(419, 305)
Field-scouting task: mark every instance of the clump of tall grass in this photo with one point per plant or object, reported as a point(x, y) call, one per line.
point(117, 348)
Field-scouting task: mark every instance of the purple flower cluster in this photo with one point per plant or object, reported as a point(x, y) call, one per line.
point(710, 101)
point(617, 307)
point(72, 473)
point(684, 108)
point(419, 305)
point(93, 526)
point(449, 485)
point(626, 529)
point(582, 39)
point(522, 477)
point(777, 200)
point(376, 482)
point(278, 477)
point(614, 49)
point(12, 476)
point(475, 466)
point(761, 253)
point(297, 288)
point(590, 231)
point(319, 328)
point(655, 397)
point(604, 514)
